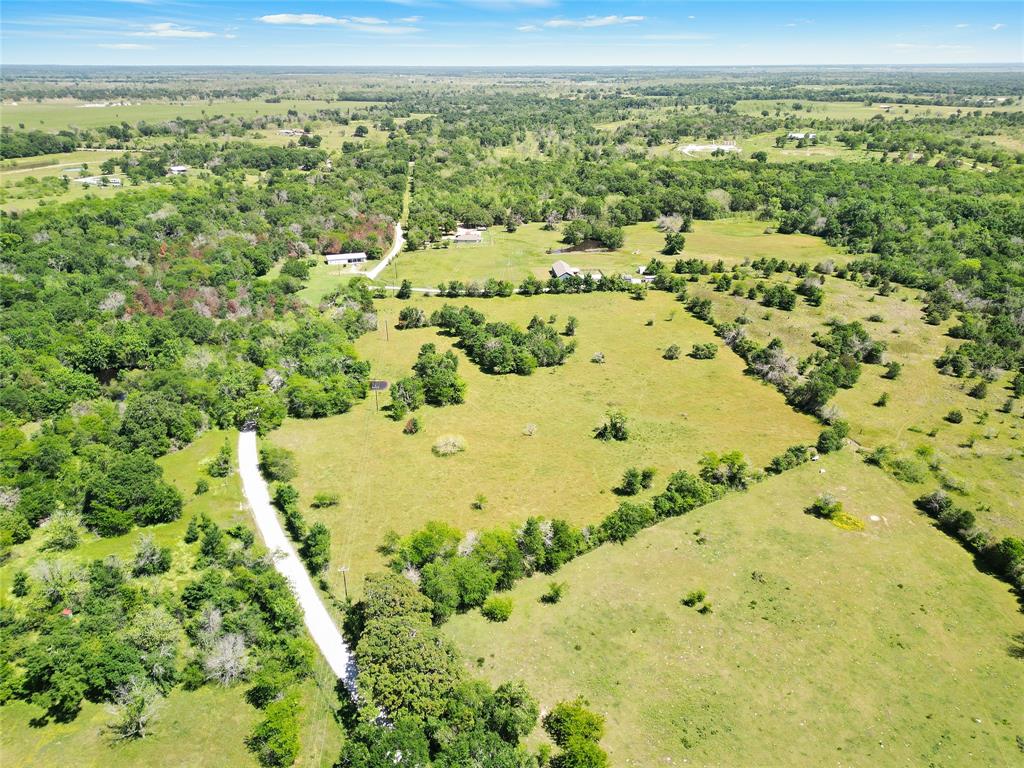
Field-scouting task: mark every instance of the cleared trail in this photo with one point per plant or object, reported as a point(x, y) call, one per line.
point(321, 626)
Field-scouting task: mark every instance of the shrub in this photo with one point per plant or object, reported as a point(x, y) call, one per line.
point(277, 463)
point(571, 720)
point(325, 499)
point(626, 522)
point(892, 370)
point(832, 438)
point(704, 351)
point(826, 506)
point(202, 486)
point(647, 477)
point(883, 400)
point(630, 485)
point(275, 740)
point(979, 391)
point(694, 597)
point(479, 502)
point(793, 456)
point(497, 608)
point(411, 317)
point(597, 357)
point(448, 445)
point(220, 466)
point(672, 352)
point(554, 593)
point(412, 426)
point(955, 416)
point(614, 427)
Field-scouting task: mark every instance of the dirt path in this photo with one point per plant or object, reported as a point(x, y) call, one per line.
point(321, 626)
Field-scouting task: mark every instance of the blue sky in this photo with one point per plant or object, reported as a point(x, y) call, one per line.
point(509, 32)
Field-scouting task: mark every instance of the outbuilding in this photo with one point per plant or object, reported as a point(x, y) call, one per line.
point(345, 258)
point(560, 270)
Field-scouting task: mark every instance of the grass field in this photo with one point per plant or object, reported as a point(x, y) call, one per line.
point(513, 256)
point(985, 453)
point(825, 647)
point(678, 410)
point(844, 110)
point(57, 115)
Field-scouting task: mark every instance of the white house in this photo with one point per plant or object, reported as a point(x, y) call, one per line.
point(345, 258)
point(560, 270)
point(801, 136)
point(177, 170)
point(100, 181)
point(464, 235)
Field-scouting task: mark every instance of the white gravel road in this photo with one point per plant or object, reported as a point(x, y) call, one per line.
point(395, 248)
point(321, 626)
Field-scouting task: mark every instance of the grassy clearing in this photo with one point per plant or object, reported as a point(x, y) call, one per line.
point(678, 409)
point(512, 256)
point(824, 646)
point(58, 114)
point(846, 110)
point(985, 452)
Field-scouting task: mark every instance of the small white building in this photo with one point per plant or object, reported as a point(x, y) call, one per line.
point(345, 258)
point(560, 270)
point(100, 181)
point(799, 136)
point(464, 235)
point(177, 170)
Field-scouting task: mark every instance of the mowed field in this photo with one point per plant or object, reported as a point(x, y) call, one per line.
point(678, 410)
point(513, 256)
point(206, 727)
point(824, 646)
point(841, 110)
point(984, 454)
point(62, 114)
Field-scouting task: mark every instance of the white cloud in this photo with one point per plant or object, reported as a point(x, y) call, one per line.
point(593, 21)
point(124, 46)
point(677, 36)
point(410, 19)
point(355, 23)
point(167, 29)
point(997, 27)
point(305, 19)
point(528, 28)
point(691, 18)
point(962, 26)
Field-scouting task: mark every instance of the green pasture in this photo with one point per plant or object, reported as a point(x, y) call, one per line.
point(677, 410)
point(847, 110)
point(823, 647)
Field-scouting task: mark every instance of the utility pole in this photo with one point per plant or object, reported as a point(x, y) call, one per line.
point(344, 578)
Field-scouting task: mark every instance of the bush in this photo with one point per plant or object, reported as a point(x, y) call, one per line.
point(555, 592)
point(277, 463)
point(497, 608)
point(572, 720)
point(322, 500)
point(631, 483)
point(614, 427)
point(597, 357)
point(826, 506)
point(979, 391)
point(275, 740)
point(626, 522)
point(832, 438)
point(412, 426)
point(672, 352)
point(892, 370)
point(955, 416)
point(202, 486)
point(704, 351)
point(883, 400)
point(220, 466)
point(694, 597)
point(449, 445)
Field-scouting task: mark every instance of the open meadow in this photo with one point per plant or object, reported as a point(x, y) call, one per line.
point(514, 255)
point(981, 459)
point(678, 410)
point(823, 646)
